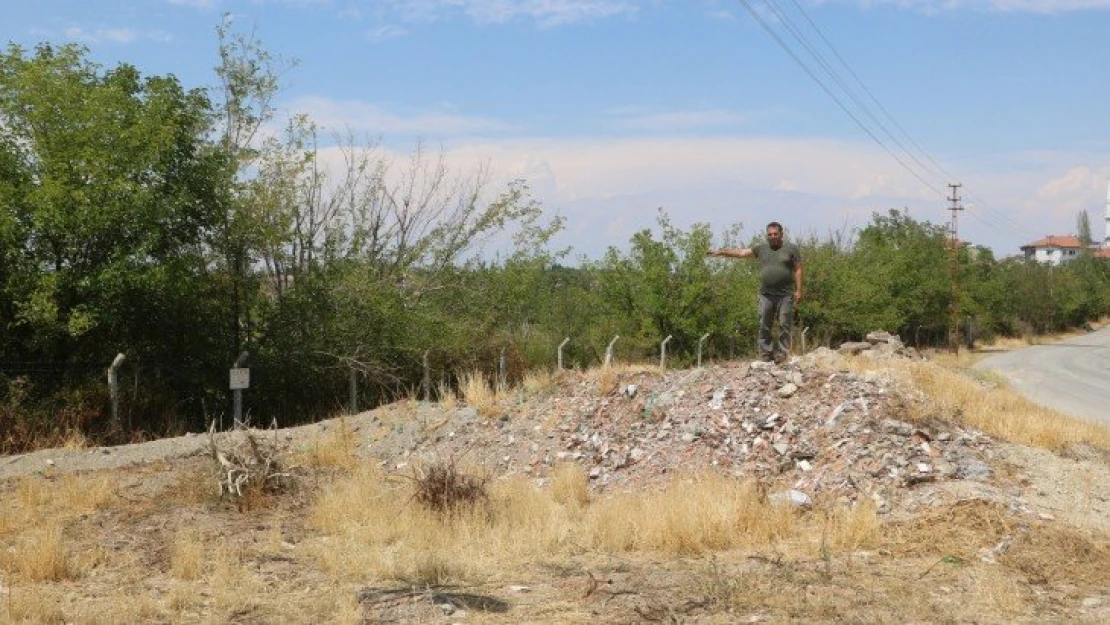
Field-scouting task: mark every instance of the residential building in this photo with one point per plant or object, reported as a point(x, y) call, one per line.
point(1053, 249)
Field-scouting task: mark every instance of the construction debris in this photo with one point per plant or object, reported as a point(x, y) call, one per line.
point(809, 429)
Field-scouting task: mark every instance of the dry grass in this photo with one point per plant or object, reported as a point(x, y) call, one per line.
point(234, 588)
point(691, 515)
point(848, 529)
point(448, 400)
point(442, 488)
point(479, 394)
point(605, 380)
point(537, 382)
point(703, 525)
point(1058, 555)
point(36, 500)
point(187, 554)
point(34, 605)
point(41, 555)
point(959, 531)
point(570, 485)
point(995, 408)
point(75, 439)
point(374, 530)
point(337, 450)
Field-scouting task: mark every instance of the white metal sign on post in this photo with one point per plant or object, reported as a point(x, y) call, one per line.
point(240, 378)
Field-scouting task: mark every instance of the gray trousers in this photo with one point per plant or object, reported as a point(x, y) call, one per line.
point(770, 308)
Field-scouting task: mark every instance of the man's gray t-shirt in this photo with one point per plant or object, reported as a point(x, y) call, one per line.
point(776, 276)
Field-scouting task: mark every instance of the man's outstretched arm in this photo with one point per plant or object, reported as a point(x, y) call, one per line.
point(731, 252)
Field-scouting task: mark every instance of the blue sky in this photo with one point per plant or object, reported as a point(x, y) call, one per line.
point(612, 109)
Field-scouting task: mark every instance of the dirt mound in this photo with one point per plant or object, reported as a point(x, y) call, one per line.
point(806, 429)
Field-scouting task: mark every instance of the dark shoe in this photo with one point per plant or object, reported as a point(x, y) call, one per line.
point(781, 358)
point(766, 357)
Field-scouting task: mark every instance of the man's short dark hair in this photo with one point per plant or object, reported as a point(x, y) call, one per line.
point(776, 225)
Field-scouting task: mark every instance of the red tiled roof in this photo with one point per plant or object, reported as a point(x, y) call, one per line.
point(1065, 241)
point(1102, 252)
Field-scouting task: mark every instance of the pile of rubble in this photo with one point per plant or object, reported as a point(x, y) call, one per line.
point(880, 345)
point(808, 429)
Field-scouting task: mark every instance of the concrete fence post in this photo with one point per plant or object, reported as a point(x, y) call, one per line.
point(113, 390)
point(561, 345)
point(502, 376)
point(609, 351)
point(701, 342)
point(353, 382)
point(663, 352)
point(427, 381)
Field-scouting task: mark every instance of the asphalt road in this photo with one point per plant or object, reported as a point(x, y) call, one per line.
point(1072, 376)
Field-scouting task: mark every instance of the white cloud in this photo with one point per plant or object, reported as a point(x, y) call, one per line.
point(362, 117)
point(817, 185)
point(599, 168)
point(545, 12)
point(999, 6)
point(608, 188)
point(101, 35)
point(196, 4)
point(385, 33)
point(1067, 193)
point(680, 120)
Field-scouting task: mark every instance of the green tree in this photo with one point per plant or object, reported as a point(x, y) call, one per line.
point(661, 288)
point(1083, 225)
point(115, 182)
point(108, 192)
point(903, 275)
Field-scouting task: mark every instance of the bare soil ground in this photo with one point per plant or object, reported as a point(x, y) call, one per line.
point(140, 533)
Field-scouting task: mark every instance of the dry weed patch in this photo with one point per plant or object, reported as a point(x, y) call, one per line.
point(691, 515)
point(36, 500)
point(447, 398)
point(196, 484)
point(998, 410)
point(994, 592)
point(235, 589)
point(442, 488)
point(958, 531)
point(570, 485)
point(376, 530)
point(187, 554)
point(1056, 554)
point(537, 382)
point(40, 555)
point(478, 394)
point(605, 380)
point(33, 604)
point(847, 529)
point(337, 450)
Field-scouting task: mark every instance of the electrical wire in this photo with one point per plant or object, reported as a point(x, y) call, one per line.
point(836, 99)
point(991, 217)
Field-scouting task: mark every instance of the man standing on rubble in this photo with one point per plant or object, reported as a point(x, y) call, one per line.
point(780, 290)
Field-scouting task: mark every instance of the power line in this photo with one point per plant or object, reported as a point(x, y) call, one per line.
point(870, 94)
point(801, 38)
point(835, 98)
point(991, 217)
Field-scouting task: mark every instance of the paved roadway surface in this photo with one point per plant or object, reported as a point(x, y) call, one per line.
point(1072, 376)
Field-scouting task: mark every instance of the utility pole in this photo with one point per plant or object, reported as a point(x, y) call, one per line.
point(954, 250)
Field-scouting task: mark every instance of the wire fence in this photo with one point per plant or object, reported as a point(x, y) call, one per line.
point(117, 393)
